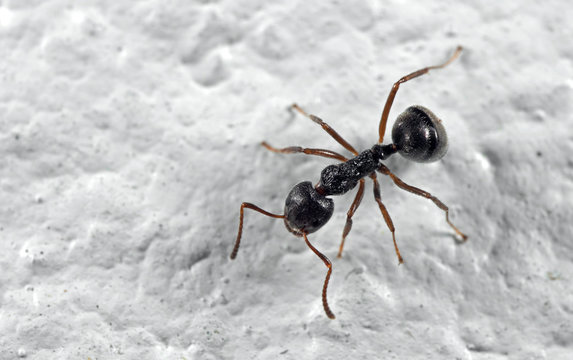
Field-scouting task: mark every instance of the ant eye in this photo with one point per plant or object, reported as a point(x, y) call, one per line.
point(419, 135)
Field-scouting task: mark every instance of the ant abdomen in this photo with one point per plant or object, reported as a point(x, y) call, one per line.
point(306, 210)
point(419, 135)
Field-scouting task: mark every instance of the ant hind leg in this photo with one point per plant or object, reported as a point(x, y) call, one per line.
point(396, 86)
point(414, 190)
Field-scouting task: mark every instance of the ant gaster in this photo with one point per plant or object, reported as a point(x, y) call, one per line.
point(418, 135)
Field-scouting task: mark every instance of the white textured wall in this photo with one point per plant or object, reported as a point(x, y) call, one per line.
point(130, 135)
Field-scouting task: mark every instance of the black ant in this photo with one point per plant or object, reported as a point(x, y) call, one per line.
point(418, 135)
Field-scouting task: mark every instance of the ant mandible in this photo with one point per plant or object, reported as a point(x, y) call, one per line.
point(418, 135)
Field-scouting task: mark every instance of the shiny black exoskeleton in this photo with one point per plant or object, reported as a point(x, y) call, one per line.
point(306, 210)
point(417, 135)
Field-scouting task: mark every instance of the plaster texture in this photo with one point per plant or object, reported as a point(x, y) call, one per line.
point(130, 134)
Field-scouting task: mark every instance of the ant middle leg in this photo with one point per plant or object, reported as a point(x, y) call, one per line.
point(308, 151)
point(414, 190)
point(396, 86)
point(326, 280)
point(349, 215)
point(386, 215)
point(252, 207)
point(328, 129)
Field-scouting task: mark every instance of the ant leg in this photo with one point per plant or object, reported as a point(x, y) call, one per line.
point(252, 207)
point(414, 190)
point(415, 74)
point(386, 215)
point(298, 149)
point(327, 128)
point(329, 266)
point(349, 215)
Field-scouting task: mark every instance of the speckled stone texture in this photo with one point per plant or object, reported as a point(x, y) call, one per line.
point(130, 135)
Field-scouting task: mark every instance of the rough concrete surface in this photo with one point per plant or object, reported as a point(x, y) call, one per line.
point(130, 135)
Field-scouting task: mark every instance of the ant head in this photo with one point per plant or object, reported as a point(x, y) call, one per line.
point(419, 135)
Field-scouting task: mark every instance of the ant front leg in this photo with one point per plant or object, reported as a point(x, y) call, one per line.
point(349, 215)
point(414, 190)
point(328, 264)
point(252, 207)
point(386, 215)
point(392, 95)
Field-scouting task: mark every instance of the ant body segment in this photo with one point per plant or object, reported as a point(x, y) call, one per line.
point(417, 134)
